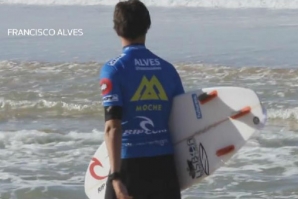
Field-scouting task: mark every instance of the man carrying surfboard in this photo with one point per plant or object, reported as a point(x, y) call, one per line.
point(138, 88)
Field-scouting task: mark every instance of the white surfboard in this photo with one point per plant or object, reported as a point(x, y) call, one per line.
point(208, 127)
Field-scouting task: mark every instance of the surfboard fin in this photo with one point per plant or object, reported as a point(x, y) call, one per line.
point(242, 112)
point(206, 97)
point(225, 150)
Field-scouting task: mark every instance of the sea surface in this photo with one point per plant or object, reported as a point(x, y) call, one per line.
point(51, 119)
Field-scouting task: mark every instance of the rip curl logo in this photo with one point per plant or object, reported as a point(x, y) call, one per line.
point(101, 188)
point(145, 122)
point(94, 164)
point(146, 126)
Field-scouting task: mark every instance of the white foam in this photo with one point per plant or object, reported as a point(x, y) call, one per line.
point(33, 139)
point(273, 4)
point(284, 114)
point(28, 152)
point(47, 104)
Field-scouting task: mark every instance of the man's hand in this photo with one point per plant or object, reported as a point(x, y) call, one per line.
point(120, 190)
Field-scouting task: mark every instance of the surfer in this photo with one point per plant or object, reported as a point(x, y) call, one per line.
point(137, 90)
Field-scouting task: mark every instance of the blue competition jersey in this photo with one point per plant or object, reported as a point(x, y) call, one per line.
point(144, 85)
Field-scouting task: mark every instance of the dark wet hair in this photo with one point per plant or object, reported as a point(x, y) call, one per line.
point(131, 19)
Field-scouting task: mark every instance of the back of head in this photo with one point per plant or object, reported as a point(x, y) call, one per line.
point(131, 19)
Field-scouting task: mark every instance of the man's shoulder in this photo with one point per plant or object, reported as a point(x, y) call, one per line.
point(114, 64)
point(162, 60)
point(116, 61)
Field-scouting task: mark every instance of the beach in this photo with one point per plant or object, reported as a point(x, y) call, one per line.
point(51, 118)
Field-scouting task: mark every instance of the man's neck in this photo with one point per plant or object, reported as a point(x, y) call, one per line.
point(126, 42)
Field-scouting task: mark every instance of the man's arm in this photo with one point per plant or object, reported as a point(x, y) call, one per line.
point(113, 136)
point(110, 81)
point(112, 102)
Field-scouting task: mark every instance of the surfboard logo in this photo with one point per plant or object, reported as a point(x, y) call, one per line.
point(191, 169)
point(196, 106)
point(198, 165)
point(101, 188)
point(146, 90)
point(96, 162)
point(204, 159)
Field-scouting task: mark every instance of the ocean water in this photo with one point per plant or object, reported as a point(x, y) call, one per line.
point(51, 119)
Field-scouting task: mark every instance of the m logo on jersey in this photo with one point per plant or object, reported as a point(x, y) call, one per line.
point(150, 90)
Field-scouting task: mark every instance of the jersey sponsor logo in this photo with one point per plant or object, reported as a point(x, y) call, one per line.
point(147, 62)
point(149, 107)
point(114, 61)
point(110, 98)
point(106, 86)
point(148, 68)
point(146, 90)
point(145, 127)
point(162, 143)
point(149, 89)
point(145, 122)
point(197, 106)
